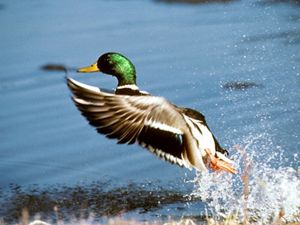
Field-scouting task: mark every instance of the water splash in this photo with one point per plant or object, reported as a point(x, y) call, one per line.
point(262, 191)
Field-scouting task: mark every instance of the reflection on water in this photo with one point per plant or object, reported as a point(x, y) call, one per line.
point(289, 37)
point(296, 2)
point(54, 67)
point(240, 85)
point(99, 199)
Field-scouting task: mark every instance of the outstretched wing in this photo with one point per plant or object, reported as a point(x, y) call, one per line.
point(151, 121)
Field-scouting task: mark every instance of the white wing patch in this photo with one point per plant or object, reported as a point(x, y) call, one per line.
point(166, 156)
point(162, 126)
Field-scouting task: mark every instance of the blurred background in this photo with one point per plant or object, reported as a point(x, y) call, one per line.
point(238, 62)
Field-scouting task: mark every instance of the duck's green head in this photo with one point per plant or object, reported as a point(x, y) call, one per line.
point(114, 64)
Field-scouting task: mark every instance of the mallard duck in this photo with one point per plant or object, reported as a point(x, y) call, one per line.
point(176, 134)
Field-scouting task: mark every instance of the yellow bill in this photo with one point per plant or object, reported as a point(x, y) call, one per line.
point(89, 69)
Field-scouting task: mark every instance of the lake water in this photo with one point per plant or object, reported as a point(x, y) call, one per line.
point(192, 54)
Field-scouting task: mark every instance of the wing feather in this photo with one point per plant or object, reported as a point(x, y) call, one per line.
point(150, 121)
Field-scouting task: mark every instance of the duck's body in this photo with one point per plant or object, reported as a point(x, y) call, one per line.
point(175, 134)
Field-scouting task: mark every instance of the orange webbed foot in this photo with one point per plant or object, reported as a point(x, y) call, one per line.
point(217, 164)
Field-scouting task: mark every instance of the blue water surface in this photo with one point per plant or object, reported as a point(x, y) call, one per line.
point(184, 52)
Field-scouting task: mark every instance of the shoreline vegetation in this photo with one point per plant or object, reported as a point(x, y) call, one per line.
point(230, 220)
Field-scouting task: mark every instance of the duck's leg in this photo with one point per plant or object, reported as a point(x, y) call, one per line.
point(218, 164)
